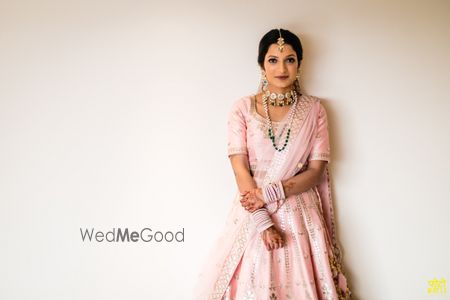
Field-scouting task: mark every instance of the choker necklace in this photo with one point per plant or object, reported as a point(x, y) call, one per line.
point(292, 111)
point(276, 99)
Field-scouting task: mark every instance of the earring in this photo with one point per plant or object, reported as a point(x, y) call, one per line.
point(264, 82)
point(297, 83)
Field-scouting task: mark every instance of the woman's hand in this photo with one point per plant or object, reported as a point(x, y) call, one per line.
point(272, 238)
point(252, 200)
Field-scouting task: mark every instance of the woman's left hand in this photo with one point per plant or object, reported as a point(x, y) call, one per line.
point(252, 200)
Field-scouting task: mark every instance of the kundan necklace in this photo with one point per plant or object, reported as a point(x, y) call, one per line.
point(269, 122)
point(282, 99)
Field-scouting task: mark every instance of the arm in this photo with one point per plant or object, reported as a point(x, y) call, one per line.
point(271, 237)
point(246, 184)
point(247, 187)
point(241, 169)
point(237, 148)
point(238, 154)
point(304, 181)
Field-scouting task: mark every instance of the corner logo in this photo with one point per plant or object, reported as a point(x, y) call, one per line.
point(437, 287)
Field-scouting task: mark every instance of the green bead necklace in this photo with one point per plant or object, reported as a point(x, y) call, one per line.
point(269, 122)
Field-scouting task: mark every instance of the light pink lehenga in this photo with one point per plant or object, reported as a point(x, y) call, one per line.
point(309, 266)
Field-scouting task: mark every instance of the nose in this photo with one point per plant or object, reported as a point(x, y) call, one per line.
point(283, 68)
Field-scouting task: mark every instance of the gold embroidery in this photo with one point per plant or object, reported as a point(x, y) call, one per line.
point(317, 253)
point(335, 263)
point(287, 265)
point(256, 261)
point(231, 262)
point(319, 156)
point(237, 150)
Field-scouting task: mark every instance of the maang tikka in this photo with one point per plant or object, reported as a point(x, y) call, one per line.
point(280, 42)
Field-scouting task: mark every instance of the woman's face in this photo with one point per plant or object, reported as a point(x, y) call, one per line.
point(281, 68)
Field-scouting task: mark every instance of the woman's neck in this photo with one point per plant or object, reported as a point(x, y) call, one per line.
point(280, 90)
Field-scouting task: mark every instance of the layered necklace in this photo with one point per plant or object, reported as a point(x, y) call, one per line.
point(292, 111)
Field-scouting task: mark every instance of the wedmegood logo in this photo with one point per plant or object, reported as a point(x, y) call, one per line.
point(125, 235)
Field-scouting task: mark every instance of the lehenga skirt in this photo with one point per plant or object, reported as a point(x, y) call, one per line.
point(304, 269)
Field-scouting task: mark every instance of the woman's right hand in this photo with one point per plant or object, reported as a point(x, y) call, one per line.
point(272, 238)
point(252, 200)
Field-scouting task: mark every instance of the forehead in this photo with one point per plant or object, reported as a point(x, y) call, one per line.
point(287, 50)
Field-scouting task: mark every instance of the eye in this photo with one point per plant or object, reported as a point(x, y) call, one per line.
point(291, 60)
point(272, 60)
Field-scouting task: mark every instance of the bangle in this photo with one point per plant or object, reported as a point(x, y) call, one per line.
point(262, 219)
point(273, 192)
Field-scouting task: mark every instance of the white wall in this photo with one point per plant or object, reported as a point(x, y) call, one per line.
point(113, 114)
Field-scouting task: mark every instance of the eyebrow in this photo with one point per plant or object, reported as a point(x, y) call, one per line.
point(290, 55)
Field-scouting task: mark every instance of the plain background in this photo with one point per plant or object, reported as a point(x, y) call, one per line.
point(113, 114)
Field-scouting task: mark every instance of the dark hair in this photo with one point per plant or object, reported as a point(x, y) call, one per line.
point(271, 37)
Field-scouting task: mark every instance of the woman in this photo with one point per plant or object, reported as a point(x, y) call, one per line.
point(279, 241)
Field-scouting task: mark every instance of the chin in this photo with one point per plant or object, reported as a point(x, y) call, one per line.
point(283, 86)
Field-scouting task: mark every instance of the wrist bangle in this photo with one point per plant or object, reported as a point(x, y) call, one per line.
point(273, 192)
point(262, 219)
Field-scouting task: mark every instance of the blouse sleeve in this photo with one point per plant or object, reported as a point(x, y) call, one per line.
point(237, 130)
point(321, 142)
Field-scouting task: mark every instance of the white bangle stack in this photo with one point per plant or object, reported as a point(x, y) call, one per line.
point(262, 219)
point(273, 192)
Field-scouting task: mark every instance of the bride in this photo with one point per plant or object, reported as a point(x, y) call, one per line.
point(279, 240)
